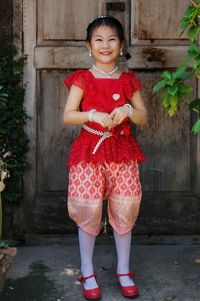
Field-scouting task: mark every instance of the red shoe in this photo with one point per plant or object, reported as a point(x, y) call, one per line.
point(128, 291)
point(91, 294)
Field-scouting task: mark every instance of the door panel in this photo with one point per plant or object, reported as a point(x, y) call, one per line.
point(55, 47)
point(66, 21)
point(158, 19)
point(166, 142)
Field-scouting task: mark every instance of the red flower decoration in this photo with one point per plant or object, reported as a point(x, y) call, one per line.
point(127, 130)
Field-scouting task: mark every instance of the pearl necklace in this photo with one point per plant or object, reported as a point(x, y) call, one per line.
point(108, 74)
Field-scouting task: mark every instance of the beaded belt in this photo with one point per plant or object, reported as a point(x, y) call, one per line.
point(104, 135)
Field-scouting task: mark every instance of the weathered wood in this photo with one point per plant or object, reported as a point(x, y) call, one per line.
point(29, 27)
point(62, 58)
point(54, 137)
point(71, 239)
point(5, 264)
point(166, 142)
point(17, 24)
point(169, 213)
point(157, 19)
point(170, 204)
point(6, 7)
point(197, 179)
point(122, 16)
point(142, 57)
point(148, 57)
point(50, 214)
point(66, 21)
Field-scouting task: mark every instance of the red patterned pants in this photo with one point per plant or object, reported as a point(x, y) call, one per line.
point(90, 184)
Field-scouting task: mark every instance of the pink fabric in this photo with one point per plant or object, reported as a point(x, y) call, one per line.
point(90, 184)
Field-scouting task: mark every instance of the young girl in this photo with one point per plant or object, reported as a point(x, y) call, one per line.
point(104, 158)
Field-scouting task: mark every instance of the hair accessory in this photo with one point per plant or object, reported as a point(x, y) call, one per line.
point(108, 74)
point(91, 114)
point(130, 108)
point(98, 17)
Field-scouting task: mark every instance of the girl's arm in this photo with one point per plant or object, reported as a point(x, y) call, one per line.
point(74, 117)
point(71, 114)
point(138, 116)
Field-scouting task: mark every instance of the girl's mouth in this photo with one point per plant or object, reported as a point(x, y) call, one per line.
point(105, 53)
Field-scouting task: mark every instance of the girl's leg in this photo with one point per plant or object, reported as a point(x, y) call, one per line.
point(123, 246)
point(86, 244)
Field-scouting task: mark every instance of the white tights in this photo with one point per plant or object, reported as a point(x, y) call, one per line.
point(86, 244)
point(123, 246)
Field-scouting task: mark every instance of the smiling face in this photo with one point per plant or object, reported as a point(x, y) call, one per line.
point(105, 46)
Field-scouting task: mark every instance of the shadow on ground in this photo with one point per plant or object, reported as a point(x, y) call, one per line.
point(34, 287)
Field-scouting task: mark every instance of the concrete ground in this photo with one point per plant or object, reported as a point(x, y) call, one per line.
point(48, 273)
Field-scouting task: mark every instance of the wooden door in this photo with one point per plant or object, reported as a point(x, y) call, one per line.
point(54, 42)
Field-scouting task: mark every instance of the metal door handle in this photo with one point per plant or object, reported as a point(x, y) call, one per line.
point(119, 6)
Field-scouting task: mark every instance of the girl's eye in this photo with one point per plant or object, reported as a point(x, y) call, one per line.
point(98, 40)
point(112, 39)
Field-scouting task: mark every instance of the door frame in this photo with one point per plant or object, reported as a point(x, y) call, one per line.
point(24, 24)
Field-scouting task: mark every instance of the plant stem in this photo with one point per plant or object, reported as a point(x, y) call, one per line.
point(0, 217)
point(193, 3)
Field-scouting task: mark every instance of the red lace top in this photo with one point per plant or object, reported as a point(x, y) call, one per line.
point(98, 94)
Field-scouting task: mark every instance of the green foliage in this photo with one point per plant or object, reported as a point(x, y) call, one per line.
point(172, 83)
point(12, 120)
point(173, 88)
point(196, 127)
point(3, 245)
point(191, 21)
point(195, 106)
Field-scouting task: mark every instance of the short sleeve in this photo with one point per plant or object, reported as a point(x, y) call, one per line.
point(78, 78)
point(131, 84)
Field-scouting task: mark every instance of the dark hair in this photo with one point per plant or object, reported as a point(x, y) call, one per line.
point(107, 21)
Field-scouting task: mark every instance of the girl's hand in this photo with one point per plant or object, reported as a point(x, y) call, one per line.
point(118, 115)
point(103, 119)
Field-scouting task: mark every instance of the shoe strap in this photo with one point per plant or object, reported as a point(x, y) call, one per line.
point(130, 274)
point(83, 279)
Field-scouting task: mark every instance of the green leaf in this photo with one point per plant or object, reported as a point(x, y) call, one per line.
point(179, 71)
point(165, 99)
point(193, 33)
point(171, 111)
point(186, 75)
point(185, 21)
point(174, 100)
point(196, 127)
point(188, 58)
point(3, 245)
point(196, 63)
point(194, 49)
point(2, 105)
point(170, 82)
point(195, 105)
point(12, 120)
point(183, 24)
point(172, 90)
point(159, 85)
point(184, 90)
point(165, 103)
point(166, 74)
point(3, 95)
